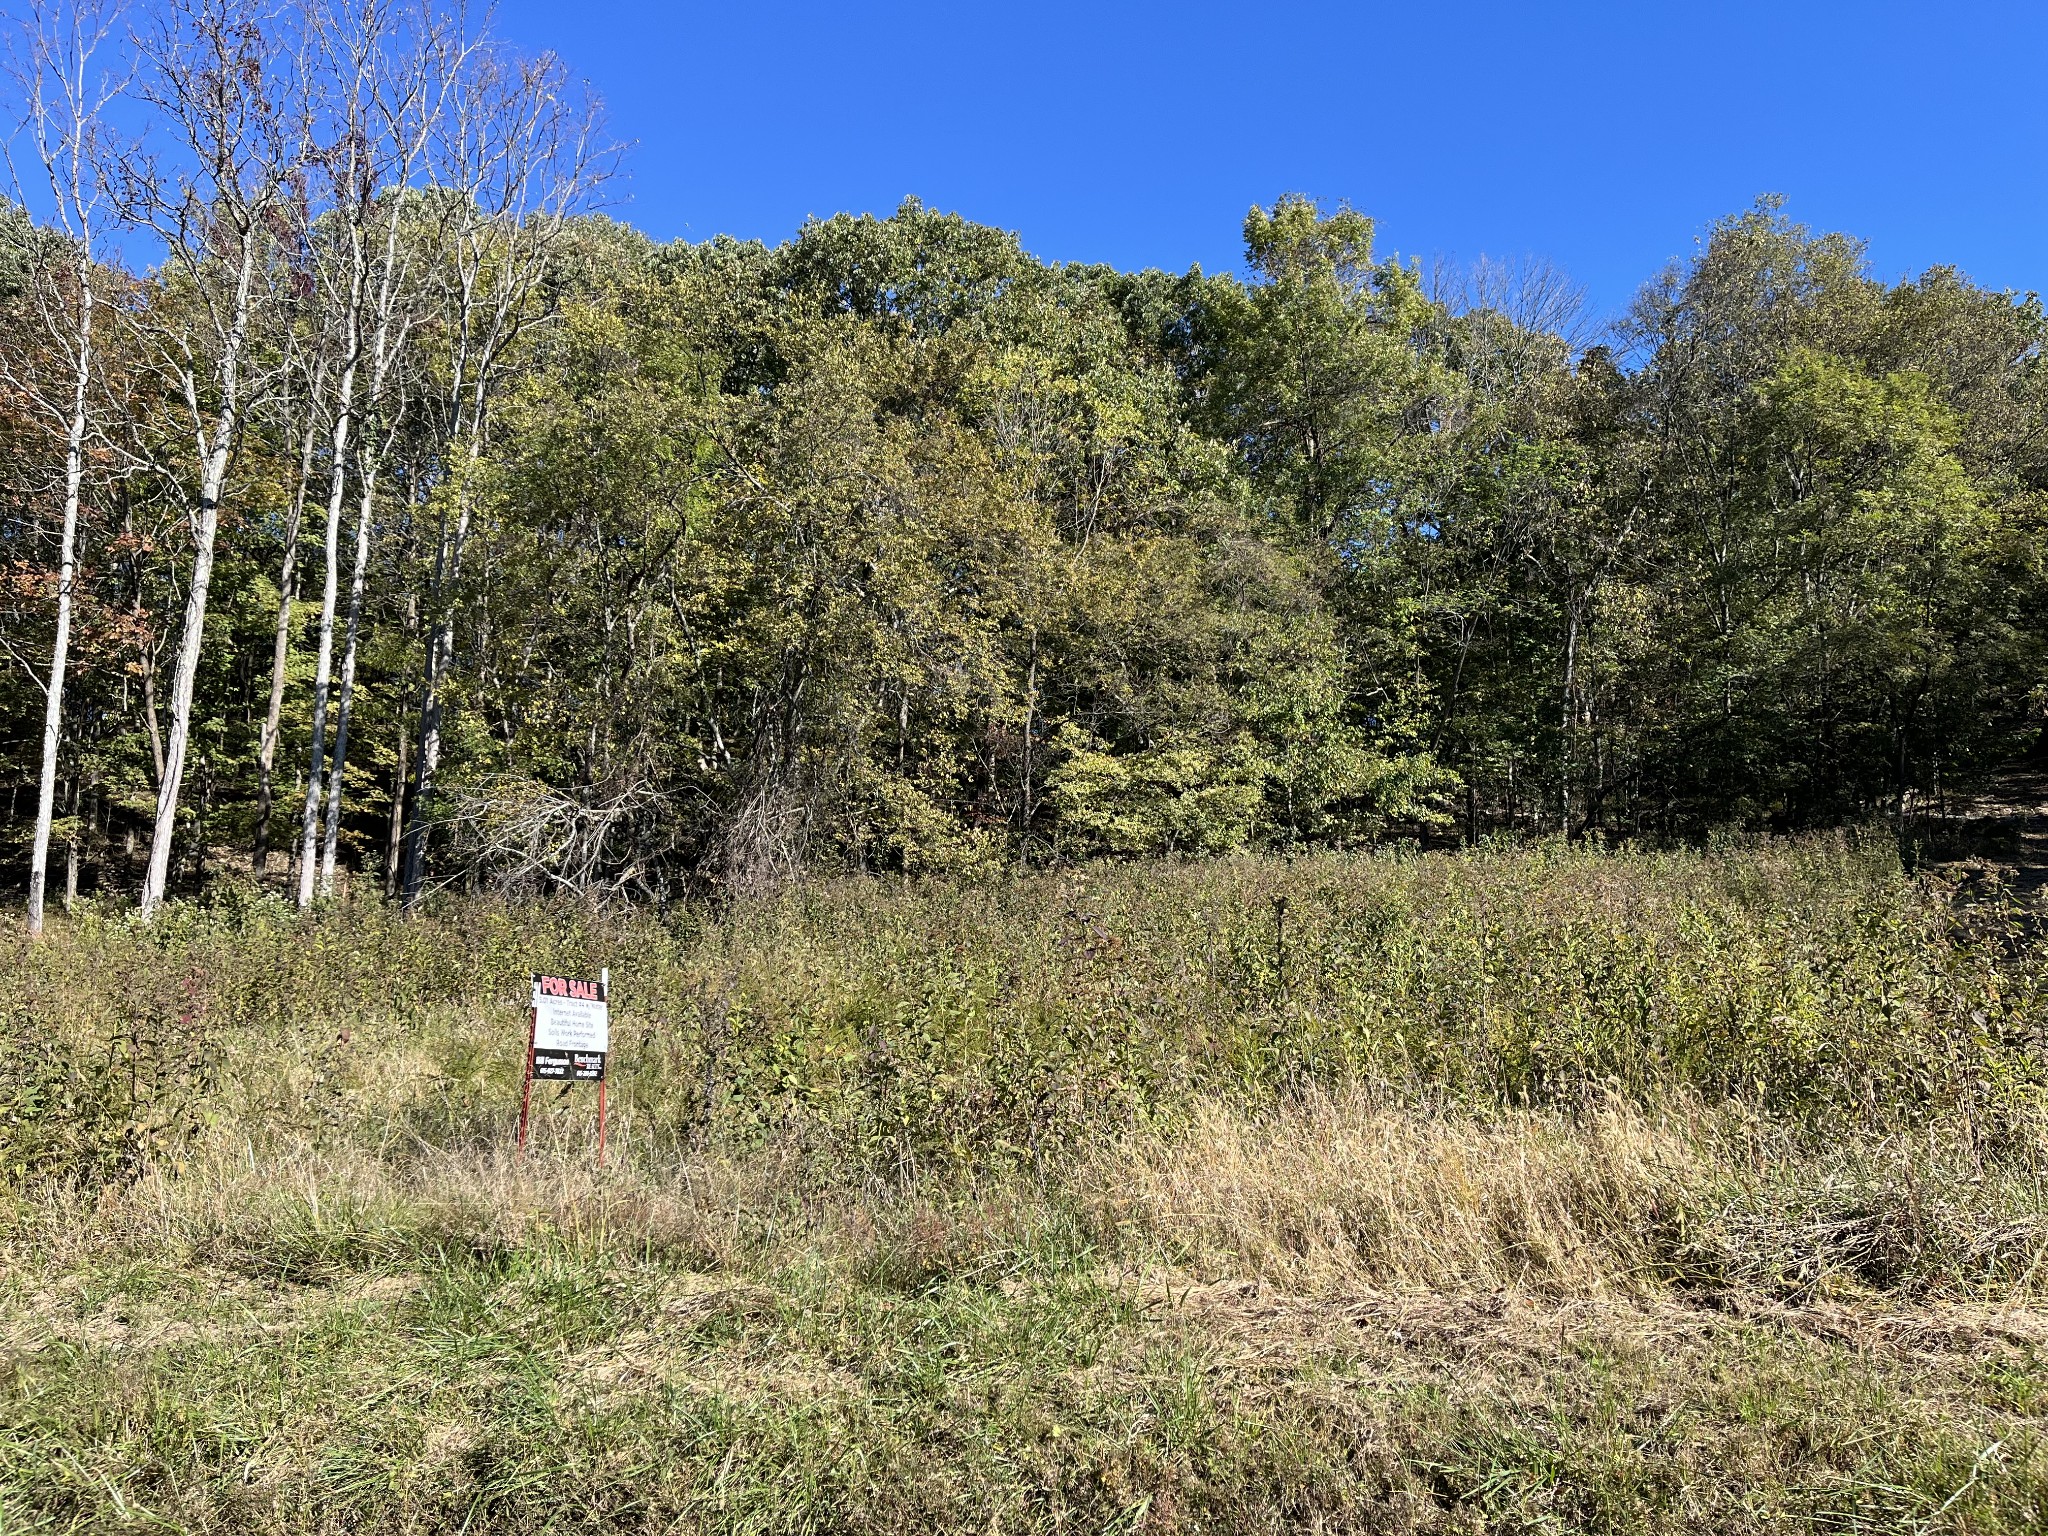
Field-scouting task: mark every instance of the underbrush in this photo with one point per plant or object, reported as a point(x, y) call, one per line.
point(942, 1026)
point(1523, 1190)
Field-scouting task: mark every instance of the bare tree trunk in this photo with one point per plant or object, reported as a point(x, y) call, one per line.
point(395, 850)
point(281, 642)
point(291, 864)
point(391, 332)
point(339, 764)
point(219, 79)
point(395, 844)
point(71, 850)
point(60, 648)
point(323, 671)
point(384, 108)
point(183, 682)
point(65, 102)
point(226, 423)
point(428, 762)
point(440, 653)
point(149, 718)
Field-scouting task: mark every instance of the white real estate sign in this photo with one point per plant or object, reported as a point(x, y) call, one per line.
point(571, 1028)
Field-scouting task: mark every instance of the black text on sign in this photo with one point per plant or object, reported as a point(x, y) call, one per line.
point(571, 1029)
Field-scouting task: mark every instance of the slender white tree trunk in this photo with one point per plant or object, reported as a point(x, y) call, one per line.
point(338, 764)
point(219, 448)
point(71, 846)
point(281, 641)
point(388, 337)
point(323, 669)
point(440, 653)
point(190, 645)
point(60, 647)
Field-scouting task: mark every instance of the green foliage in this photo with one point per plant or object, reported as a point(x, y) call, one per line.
point(969, 1022)
point(894, 548)
point(1168, 799)
point(81, 1111)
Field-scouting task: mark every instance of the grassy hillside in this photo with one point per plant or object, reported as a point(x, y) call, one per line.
point(1515, 1191)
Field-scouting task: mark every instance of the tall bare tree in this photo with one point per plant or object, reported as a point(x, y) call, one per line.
point(215, 186)
point(350, 163)
point(65, 94)
point(409, 61)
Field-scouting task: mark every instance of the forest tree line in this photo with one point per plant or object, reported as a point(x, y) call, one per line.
point(374, 506)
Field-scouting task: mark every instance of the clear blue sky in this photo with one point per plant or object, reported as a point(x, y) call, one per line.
point(1604, 136)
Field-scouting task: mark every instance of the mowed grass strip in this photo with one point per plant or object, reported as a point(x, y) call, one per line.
point(556, 1388)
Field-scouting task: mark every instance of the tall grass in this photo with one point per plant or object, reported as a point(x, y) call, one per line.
point(968, 1025)
point(1542, 1189)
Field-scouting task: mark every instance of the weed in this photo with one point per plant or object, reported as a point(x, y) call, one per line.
point(1513, 1191)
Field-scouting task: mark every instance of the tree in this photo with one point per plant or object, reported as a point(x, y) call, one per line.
point(1312, 372)
point(516, 154)
point(216, 189)
point(66, 94)
point(382, 81)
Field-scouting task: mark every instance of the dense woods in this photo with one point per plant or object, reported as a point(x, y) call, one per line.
point(373, 505)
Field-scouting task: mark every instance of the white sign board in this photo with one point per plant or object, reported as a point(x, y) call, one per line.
point(571, 1028)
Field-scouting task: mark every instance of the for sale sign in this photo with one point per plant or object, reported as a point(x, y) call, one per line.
point(571, 1028)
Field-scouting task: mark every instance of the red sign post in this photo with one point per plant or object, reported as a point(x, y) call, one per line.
point(568, 1037)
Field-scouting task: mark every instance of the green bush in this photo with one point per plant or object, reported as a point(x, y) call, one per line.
point(971, 1023)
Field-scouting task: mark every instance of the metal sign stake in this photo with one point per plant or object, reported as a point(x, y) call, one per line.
point(526, 1087)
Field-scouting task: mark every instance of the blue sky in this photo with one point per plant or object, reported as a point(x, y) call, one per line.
point(1603, 136)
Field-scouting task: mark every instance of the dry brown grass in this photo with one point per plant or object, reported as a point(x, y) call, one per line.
point(1329, 1193)
point(1402, 1319)
point(1339, 1193)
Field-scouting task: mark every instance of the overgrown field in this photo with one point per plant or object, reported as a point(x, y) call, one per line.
point(1512, 1191)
